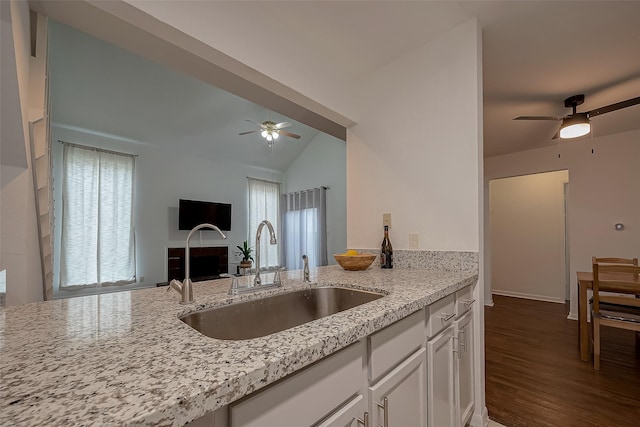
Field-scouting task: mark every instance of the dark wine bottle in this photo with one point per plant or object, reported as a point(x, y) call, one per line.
point(386, 253)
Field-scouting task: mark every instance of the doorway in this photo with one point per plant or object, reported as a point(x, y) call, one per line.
point(528, 236)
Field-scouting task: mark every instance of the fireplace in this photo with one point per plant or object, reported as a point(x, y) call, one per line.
point(207, 263)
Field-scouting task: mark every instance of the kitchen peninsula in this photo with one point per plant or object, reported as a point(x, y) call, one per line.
point(126, 359)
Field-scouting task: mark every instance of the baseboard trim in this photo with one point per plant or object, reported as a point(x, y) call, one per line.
point(572, 316)
point(489, 303)
point(528, 296)
point(480, 420)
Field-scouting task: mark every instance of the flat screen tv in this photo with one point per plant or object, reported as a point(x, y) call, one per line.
point(194, 212)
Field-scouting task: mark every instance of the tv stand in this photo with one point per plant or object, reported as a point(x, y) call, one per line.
point(207, 263)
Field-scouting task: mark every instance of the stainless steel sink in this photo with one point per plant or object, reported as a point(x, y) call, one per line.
point(275, 313)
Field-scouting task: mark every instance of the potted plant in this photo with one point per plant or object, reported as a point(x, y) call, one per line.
point(245, 251)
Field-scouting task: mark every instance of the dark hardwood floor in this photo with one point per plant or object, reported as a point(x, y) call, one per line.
point(534, 375)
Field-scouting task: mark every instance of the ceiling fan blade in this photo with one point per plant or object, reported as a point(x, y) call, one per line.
point(252, 122)
point(289, 134)
point(282, 125)
point(248, 132)
point(538, 118)
point(614, 107)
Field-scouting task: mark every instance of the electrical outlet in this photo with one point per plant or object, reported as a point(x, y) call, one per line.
point(413, 241)
point(386, 219)
point(141, 279)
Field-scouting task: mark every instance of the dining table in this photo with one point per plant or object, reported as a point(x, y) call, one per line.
point(585, 282)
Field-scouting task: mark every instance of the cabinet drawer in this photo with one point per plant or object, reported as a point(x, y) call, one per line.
point(305, 397)
point(394, 343)
point(464, 300)
point(440, 314)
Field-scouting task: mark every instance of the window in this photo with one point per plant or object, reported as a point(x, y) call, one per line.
point(263, 204)
point(98, 245)
point(304, 228)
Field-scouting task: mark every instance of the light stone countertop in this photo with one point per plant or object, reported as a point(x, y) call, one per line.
point(126, 359)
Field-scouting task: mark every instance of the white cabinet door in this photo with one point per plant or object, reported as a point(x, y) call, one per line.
point(441, 409)
point(464, 371)
point(404, 389)
point(348, 415)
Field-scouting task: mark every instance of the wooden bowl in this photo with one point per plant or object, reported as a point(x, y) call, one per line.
point(354, 262)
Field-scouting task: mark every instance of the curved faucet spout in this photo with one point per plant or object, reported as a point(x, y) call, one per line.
point(186, 258)
point(185, 289)
point(257, 280)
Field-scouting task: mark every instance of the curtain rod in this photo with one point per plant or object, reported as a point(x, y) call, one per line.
point(88, 147)
point(309, 189)
point(264, 180)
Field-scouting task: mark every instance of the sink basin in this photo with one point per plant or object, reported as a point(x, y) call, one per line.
point(264, 316)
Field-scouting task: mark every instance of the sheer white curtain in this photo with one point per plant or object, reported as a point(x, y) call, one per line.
point(264, 199)
point(305, 227)
point(98, 245)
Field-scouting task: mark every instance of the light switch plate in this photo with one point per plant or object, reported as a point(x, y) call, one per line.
point(413, 241)
point(386, 219)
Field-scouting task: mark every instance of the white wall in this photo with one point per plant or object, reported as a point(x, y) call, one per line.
point(527, 236)
point(162, 178)
point(414, 152)
point(324, 163)
point(19, 250)
point(602, 192)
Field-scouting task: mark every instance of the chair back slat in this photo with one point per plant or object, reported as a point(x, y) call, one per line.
point(631, 261)
point(617, 276)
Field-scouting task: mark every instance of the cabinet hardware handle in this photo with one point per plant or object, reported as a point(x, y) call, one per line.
point(365, 421)
point(454, 347)
point(462, 341)
point(385, 410)
point(468, 302)
point(446, 317)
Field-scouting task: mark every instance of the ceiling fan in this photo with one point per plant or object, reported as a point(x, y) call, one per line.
point(577, 124)
point(271, 130)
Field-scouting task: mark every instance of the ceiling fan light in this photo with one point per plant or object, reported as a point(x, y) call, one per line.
point(264, 133)
point(575, 126)
point(274, 135)
point(268, 137)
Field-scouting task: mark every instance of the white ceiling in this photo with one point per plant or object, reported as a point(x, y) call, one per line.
point(535, 53)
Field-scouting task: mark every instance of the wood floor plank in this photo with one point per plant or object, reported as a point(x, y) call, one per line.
point(534, 375)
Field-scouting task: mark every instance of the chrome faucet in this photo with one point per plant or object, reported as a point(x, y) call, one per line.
point(185, 288)
point(257, 280)
point(306, 268)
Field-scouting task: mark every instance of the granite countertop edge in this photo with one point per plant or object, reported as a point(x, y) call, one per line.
point(172, 374)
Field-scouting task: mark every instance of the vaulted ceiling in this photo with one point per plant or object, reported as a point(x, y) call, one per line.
point(535, 53)
point(102, 89)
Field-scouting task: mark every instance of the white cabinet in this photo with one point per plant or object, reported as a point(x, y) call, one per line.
point(382, 377)
point(440, 379)
point(399, 398)
point(306, 397)
point(450, 372)
point(348, 415)
point(465, 398)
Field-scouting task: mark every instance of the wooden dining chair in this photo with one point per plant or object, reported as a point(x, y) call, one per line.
point(614, 310)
